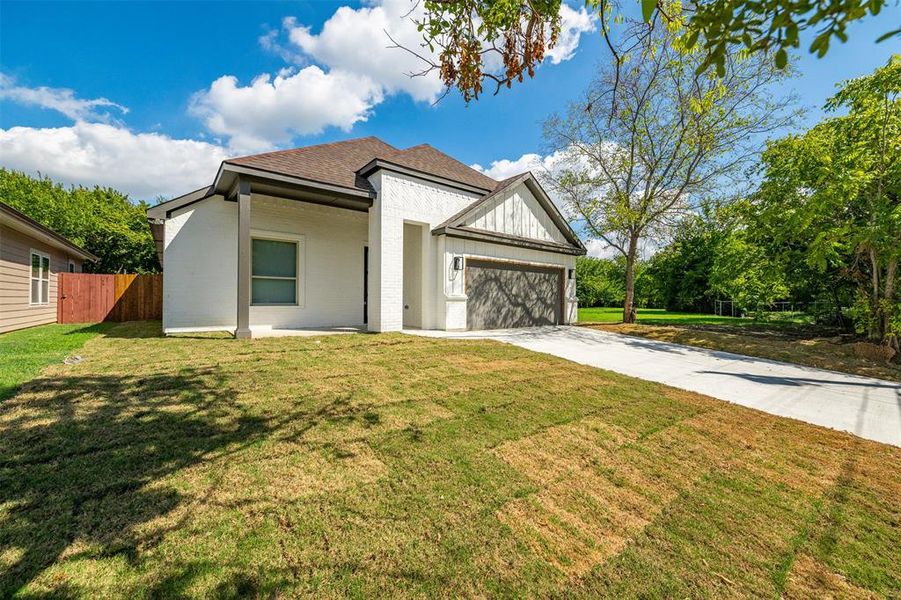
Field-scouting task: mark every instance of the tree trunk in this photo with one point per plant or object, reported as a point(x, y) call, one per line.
point(629, 303)
point(837, 305)
point(876, 332)
point(889, 297)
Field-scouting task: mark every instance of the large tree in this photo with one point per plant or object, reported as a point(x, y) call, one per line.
point(832, 197)
point(501, 41)
point(100, 220)
point(641, 154)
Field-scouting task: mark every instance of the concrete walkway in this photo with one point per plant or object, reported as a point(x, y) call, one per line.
point(869, 408)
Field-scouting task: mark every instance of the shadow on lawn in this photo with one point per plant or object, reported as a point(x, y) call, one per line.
point(127, 329)
point(77, 453)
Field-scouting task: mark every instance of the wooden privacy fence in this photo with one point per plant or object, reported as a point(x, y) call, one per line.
point(91, 298)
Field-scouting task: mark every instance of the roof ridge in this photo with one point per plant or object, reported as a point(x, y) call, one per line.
point(446, 155)
point(341, 162)
point(501, 183)
point(335, 143)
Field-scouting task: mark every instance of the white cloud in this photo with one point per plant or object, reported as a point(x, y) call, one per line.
point(144, 165)
point(573, 23)
point(61, 100)
point(271, 110)
point(345, 70)
point(600, 249)
point(337, 78)
point(537, 164)
point(354, 71)
point(357, 41)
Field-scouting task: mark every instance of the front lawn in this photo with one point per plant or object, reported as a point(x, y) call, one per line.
point(25, 352)
point(391, 465)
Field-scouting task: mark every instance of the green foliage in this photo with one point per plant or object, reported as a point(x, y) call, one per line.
point(465, 33)
point(601, 282)
point(831, 198)
point(773, 26)
point(598, 282)
point(744, 273)
point(681, 270)
point(100, 220)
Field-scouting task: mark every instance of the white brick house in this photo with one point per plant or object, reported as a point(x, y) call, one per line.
point(361, 234)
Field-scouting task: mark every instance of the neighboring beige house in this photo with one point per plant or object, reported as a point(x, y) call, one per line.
point(31, 257)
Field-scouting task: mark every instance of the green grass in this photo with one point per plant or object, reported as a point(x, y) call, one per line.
point(25, 352)
point(659, 316)
point(391, 465)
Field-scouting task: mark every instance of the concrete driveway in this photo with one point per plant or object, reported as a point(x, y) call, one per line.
point(869, 408)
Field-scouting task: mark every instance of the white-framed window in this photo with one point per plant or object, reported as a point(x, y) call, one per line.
point(276, 271)
point(40, 278)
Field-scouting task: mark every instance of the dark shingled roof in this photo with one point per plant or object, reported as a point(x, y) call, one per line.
point(337, 163)
point(430, 160)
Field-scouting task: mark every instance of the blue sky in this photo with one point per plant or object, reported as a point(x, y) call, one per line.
point(70, 71)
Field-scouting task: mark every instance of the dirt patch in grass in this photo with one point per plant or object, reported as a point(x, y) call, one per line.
point(393, 465)
point(805, 346)
point(812, 579)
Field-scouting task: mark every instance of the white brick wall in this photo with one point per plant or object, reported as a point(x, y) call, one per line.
point(403, 198)
point(200, 273)
point(332, 268)
point(200, 276)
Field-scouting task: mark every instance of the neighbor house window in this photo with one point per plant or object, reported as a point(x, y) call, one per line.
point(274, 272)
point(71, 266)
point(40, 278)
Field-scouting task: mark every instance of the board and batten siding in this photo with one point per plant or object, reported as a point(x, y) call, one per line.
point(516, 212)
point(16, 310)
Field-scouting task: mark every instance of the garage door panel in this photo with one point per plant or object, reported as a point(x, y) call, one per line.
point(501, 295)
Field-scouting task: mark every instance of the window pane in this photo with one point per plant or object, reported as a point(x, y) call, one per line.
point(45, 265)
point(35, 291)
point(274, 291)
point(275, 259)
point(35, 265)
point(45, 292)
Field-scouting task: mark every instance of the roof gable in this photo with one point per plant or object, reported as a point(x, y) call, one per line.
point(514, 210)
point(520, 208)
